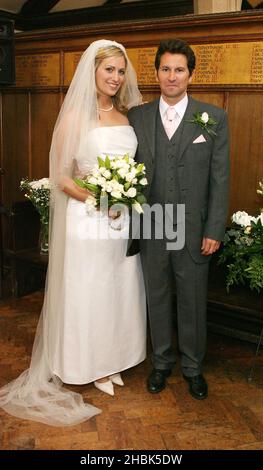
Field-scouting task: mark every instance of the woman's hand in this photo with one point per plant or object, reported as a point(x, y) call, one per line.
point(69, 187)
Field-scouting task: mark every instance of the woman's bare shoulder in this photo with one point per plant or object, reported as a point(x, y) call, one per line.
point(121, 118)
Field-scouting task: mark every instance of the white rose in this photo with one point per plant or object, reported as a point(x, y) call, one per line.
point(122, 164)
point(137, 207)
point(113, 165)
point(45, 183)
point(121, 188)
point(205, 117)
point(116, 194)
point(95, 173)
point(101, 181)
point(107, 174)
point(131, 175)
point(260, 217)
point(242, 218)
point(131, 192)
point(93, 180)
point(104, 172)
point(122, 172)
point(90, 204)
point(108, 187)
point(116, 185)
point(143, 181)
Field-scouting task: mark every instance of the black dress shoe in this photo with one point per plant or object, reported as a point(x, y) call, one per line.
point(197, 386)
point(157, 380)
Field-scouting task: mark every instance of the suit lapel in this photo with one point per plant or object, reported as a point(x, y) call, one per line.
point(149, 120)
point(189, 129)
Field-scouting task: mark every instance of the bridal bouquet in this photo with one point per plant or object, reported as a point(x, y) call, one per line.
point(243, 249)
point(121, 180)
point(38, 192)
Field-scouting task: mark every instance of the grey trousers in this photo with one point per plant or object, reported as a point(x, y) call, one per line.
point(167, 273)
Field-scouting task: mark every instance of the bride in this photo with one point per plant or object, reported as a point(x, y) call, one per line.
point(93, 322)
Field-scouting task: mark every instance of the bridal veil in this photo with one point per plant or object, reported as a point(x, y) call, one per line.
point(38, 394)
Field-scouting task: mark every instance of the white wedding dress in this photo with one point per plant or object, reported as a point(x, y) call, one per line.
point(103, 328)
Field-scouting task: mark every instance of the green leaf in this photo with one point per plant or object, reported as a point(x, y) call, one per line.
point(80, 183)
point(101, 162)
point(92, 187)
point(107, 162)
point(141, 198)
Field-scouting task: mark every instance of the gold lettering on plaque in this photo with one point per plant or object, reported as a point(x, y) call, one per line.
point(229, 64)
point(142, 59)
point(257, 63)
point(224, 64)
point(71, 60)
point(37, 70)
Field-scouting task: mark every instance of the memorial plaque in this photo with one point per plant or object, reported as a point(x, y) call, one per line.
point(257, 63)
point(142, 59)
point(37, 70)
point(217, 64)
point(223, 64)
point(229, 64)
point(71, 60)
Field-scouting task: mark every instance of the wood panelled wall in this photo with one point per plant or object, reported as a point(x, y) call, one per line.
point(28, 114)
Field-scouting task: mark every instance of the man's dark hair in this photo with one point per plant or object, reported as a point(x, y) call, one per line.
point(176, 46)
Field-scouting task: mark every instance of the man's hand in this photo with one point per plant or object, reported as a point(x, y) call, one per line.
point(209, 246)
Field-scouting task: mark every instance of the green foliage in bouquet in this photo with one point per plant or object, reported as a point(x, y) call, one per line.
point(243, 250)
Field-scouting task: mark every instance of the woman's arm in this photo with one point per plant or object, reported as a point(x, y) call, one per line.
point(69, 187)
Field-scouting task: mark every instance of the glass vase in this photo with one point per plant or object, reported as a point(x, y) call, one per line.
point(43, 238)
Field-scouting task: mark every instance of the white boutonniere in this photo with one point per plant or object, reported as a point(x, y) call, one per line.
point(205, 122)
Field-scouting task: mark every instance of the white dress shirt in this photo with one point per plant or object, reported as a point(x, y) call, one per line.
point(179, 107)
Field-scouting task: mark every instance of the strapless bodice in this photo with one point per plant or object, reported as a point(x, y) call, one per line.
point(109, 141)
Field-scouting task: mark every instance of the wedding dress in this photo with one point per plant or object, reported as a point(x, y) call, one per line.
point(103, 328)
point(93, 319)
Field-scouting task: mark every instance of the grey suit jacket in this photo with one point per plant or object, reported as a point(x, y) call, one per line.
point(203, 169)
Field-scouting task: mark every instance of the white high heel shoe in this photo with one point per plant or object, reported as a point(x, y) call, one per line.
point(106, 387)
point(116, 379)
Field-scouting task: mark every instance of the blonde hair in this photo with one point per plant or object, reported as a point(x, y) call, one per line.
point(105, 53)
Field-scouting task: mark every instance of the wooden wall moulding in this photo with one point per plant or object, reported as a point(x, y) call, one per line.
point(194, 28)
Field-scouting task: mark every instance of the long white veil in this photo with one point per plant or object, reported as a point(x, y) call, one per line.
point(38, 394)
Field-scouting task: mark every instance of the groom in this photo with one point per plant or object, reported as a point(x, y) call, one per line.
point(187, 162)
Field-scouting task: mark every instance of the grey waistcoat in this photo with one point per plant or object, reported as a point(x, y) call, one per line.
point(165, 187)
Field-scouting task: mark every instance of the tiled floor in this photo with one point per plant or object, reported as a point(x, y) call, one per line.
point(231, 417)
